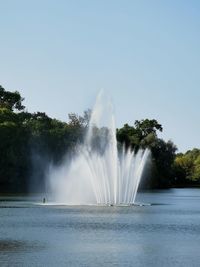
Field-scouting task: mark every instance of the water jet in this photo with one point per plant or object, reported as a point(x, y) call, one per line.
point(100, 173)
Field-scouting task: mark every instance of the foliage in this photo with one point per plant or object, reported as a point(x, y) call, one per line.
point(144, 134)
point(10, 100)
point(187, 166)
point(13, 157)
point(29, 141)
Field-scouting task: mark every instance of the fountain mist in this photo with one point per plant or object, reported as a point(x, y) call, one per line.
point(99, 173)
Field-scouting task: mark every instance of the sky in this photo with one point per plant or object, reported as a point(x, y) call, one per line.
point(144, 53)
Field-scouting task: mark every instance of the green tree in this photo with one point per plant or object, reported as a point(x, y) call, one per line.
point(144, 134)
point(187, 167)
point(14, 155)
point(146, 127)
point(163, 156)
point(11, 100)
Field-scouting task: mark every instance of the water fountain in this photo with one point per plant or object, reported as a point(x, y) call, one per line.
point(100, 173)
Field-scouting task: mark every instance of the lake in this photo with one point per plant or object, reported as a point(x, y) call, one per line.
point(167, 233)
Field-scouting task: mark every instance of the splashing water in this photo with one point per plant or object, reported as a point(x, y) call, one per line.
point(99, 173)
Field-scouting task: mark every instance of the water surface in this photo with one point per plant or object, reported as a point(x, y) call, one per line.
point(166, 233)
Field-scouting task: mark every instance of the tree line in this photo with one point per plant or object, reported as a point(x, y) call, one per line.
point(30, 141)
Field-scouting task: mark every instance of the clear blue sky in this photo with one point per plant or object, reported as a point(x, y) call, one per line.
point(59, 53)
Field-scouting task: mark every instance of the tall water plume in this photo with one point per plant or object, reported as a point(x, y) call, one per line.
point(100, 173)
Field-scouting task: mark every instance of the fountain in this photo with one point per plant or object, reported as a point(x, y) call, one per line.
point(100, 173)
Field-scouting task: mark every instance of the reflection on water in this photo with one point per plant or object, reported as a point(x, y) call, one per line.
point(17, 245)
point(11, 245)
point(164, 234)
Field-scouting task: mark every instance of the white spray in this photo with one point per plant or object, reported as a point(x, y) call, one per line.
point(99, 174)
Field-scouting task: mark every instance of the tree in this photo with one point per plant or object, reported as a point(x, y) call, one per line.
point(29, 141)
point(187, 167)
point(14, 157)
point(144, 135)
point(163, 156)
point(80, 121)
point(128, 136)
point(11, 100)
point(147, 127)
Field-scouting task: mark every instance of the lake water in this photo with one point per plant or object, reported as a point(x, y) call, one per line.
point(167, 233)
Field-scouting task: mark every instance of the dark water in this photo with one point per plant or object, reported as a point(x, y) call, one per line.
point(164, 234)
